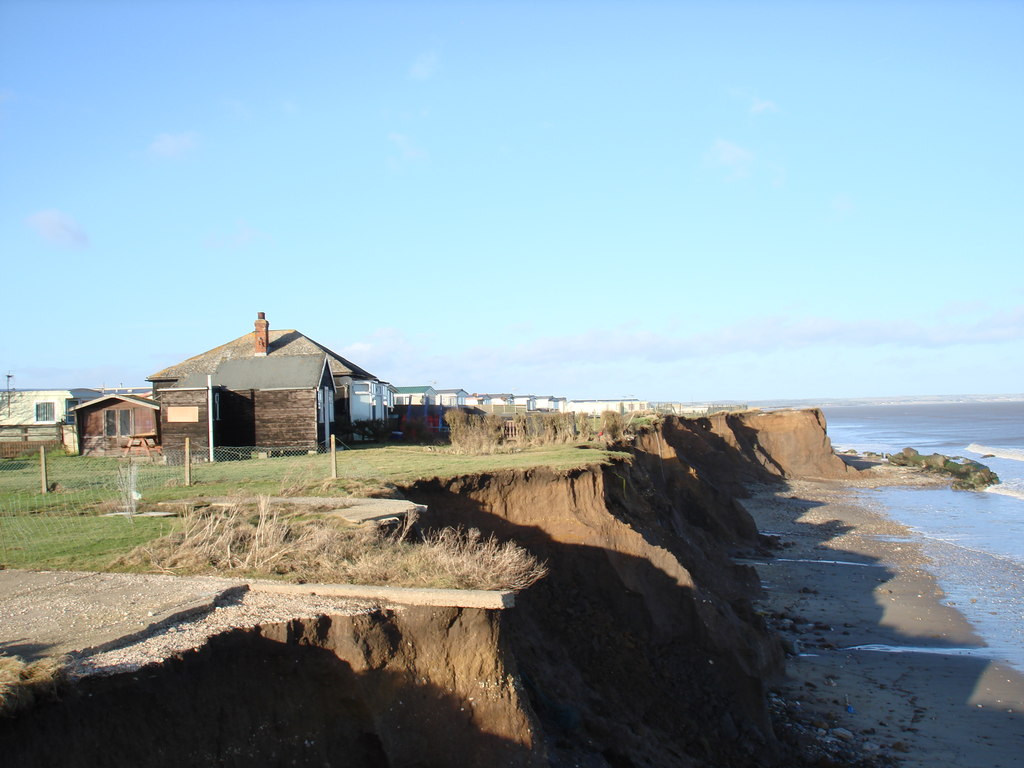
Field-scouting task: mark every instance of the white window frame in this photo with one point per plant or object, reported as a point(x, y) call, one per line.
point(53, 408)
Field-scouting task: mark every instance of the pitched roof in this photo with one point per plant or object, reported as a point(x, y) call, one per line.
point(133, 399)
point(283, 343)
point(413, 390)
point(286, 372)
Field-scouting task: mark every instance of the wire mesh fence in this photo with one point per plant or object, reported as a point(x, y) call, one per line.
point(92, 505)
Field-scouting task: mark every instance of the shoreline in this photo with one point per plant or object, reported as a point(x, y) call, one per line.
point(844, 576)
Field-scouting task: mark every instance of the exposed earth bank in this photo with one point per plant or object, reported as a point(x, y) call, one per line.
point(641, 648)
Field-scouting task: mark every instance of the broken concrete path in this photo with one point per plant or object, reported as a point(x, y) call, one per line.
point(352, 509)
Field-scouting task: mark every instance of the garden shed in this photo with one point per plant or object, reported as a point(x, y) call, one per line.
point(116, 424)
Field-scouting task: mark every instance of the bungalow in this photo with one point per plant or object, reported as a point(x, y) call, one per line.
point(267, 388)
point(597, 407)
point(489, 399)
point(550, 403)
point(528, 402)
point(42, 415)
point(112, 424)
point(452, 397)
point(415, 396)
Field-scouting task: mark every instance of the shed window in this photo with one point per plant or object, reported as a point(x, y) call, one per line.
point(46, 412)
point(117, 422)
point(69, 406)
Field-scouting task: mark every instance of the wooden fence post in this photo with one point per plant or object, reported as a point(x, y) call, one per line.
point(334, 458)
point(42, 469)
point(188, 462)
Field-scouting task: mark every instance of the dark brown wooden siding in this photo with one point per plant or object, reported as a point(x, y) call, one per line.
point(93, 439)
point(285, 418)
point(173, 434)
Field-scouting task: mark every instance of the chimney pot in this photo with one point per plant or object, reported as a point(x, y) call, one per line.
point(261, 335)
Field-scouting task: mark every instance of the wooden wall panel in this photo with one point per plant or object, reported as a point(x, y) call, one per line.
point(285, 418)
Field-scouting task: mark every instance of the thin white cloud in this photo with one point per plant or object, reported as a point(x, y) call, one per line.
point(574, 362)
point(406, 146)
point(425, 66)
point(58, 228)
point(174, 144)
point(734, 158)
point(762, 106)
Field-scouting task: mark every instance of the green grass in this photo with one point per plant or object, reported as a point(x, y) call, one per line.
point(85, 543)
point(85, 482)
point(62, 529)
point(406, 464)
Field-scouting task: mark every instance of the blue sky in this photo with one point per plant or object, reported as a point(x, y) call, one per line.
point(687, 201)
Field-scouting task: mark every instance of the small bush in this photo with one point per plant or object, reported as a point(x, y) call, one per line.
point(473, 433)
point(417, 431)
point(613, 425)
point(372, 430)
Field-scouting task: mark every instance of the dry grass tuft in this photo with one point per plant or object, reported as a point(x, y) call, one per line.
point(23, 684)
point(267, 543)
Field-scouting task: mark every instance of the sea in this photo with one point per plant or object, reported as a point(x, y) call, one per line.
point(974, 539)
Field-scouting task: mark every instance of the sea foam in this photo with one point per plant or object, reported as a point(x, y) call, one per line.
point(1013, 488)
point(1015, 454)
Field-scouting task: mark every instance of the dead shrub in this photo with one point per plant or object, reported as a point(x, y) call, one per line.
point(23, 684)
point(266, 543)
point(473, 433)
point(613, 425)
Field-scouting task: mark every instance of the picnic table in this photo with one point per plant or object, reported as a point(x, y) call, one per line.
point(144, 440)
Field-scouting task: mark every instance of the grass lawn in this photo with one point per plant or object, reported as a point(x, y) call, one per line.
point(77, 543)
point(61, 529)
point(406, 464)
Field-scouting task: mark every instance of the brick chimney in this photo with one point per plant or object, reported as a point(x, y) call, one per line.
point(261, 335)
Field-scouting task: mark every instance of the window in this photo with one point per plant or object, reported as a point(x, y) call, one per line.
point(46, 412)
point(69, 412)
point(117, 423)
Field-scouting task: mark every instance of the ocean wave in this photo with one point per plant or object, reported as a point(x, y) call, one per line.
point(1014, 488)
point(1016, 454)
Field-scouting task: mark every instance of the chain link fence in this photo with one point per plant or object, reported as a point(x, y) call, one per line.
point(89, 504)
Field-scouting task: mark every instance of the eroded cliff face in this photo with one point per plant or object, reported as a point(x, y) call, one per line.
point(415, 687)
point(639, 649)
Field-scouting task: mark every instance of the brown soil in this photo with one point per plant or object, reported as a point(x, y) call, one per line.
point(641, 647)
point(423, 686)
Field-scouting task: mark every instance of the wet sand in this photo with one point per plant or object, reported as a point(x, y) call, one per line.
point(946, 704)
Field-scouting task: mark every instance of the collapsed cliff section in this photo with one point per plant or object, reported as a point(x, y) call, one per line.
point(729, 450)
point(415, 687)
point(641, 647)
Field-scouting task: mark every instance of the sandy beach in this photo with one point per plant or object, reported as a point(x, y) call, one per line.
point(846, 576)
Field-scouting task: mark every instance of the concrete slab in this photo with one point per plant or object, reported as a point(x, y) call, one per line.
point(459, 598)
point(354, 510)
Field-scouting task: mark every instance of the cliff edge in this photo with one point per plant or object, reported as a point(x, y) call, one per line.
point(640, 648)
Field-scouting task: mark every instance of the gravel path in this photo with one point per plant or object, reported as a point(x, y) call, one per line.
point(239, 611)
point(112, 622)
